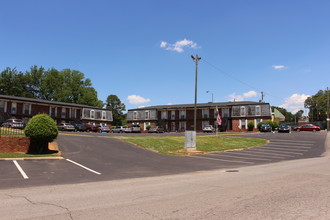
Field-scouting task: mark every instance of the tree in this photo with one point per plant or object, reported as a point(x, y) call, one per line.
point(288, 115)
point(117, 107)
point(317, 105)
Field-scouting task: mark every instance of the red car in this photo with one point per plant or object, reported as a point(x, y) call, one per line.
point(307, 127)
point(93, 128)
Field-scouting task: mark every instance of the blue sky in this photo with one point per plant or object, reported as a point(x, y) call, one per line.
point(140, 50)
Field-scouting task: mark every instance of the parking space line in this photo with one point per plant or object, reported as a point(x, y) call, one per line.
point(281, 153)
point(238, 157)
point(266, 154)
point(255, 154)
point(231, 161)
point(288, 146)
point(20, 170)
point(279, 140)
point(285, 149)
point(93, 171)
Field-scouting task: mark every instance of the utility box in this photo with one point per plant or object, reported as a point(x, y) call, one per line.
point(190, 141)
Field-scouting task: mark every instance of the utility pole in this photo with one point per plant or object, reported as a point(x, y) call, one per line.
point(328, 113)
point(262, 96)
point(196, 60)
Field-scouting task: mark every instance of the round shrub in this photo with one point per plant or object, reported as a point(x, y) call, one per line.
point(41, 129)
point(250, 126)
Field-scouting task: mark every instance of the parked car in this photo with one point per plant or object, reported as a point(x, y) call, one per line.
point(208, 128)
point(128, 129)
point(65, 127)
point(284, 128)
point(265, 127)
point(79, 127)
point(156, 129)
point(13, 123)
point(307, 127)
point(103, 129)
point(119, 129)
point(136, 129)
point(93, 128)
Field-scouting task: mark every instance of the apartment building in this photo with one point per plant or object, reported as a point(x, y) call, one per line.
point(177, 118)
point(26, 108)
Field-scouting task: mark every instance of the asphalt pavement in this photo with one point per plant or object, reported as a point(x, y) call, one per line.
point(93, 157)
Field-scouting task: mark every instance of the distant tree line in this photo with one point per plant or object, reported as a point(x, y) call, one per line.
point(65, 85)
point(289, 117)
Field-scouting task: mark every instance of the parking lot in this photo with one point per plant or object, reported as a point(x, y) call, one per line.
point(96, 157)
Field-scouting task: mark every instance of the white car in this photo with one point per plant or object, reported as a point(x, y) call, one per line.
point(208, 128)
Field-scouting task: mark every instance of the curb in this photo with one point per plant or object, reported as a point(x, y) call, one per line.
point(327, 145)
point(33, 158)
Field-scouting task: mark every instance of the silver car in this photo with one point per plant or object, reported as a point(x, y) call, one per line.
point(13, 123)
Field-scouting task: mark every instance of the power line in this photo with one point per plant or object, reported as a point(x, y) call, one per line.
point(231, 76)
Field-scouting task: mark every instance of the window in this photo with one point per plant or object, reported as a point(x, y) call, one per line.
point(205, 113)
point(256, 122)
point(104, 115)
point(92, 114)
point(205, 123)
point(146, 115)
point(135, 115)
point(13, 108)
point(242, 111)
point(63, 113)
point(73, 113)
point(258, 111)
point(182, 125)
point(26, 109)
point(164, 115)
point(146, 124)
point(243, 123)
point(172, 115)
point(2, 106)
point(225, 112)
point(53, 111)
point(183, 114)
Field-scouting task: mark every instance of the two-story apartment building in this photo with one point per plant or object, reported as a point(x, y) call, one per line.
point(26, 108)
point(235, 115)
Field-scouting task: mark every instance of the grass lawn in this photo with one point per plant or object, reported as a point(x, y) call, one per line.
point(175, 145)
point(23, 155)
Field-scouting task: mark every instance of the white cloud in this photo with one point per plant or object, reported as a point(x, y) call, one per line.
point(295, 102)
point(135, 99)
point(279, 67)
point(238, 97)
point(250, 94)
point(179, 45)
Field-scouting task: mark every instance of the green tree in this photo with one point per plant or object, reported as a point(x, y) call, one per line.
point(115, 105)
point(289, 117)
point(317, 105)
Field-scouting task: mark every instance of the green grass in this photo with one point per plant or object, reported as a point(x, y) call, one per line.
point(10, 132)
point(23, 155)
point(175, 145)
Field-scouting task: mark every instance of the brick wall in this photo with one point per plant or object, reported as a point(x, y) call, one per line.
point(14, 144)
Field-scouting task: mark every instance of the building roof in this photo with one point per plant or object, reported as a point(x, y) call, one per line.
point(200, 105)
point(278, 114)
point(42, 101)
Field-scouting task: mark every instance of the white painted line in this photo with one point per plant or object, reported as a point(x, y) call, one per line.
point(281, 153)
point(286, 149)
point(93, 171)
point(279, 140)
point(254, 154)
point(244, 158)
point(232, 161)
point(288, 146)
point(20, 170)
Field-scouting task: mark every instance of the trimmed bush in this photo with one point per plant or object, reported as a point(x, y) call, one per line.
point(259, 125)
point(250, 126)
point(148, 127)
point(41, 130)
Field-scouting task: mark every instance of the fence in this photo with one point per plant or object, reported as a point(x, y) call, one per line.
point(11, 132)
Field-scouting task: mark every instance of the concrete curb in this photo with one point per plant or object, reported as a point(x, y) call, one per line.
point(327, 145)
point(33, 158)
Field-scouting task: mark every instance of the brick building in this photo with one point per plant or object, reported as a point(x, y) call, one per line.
point(235, 115)
point(26, 108)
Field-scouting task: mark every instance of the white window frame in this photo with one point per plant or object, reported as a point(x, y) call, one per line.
point(173, 115)
point(205, 113)
point(145, 125)
point(135, 115)
point(242, 110)
point(147, 115)
point(240, 123)
point(24, 108)
point(50, 111)
point(258, 106)
point(164, 115)
point(182, 114)
point(12, 107)
point(256, 122)
point(225, 112)
point(104, 115)
point(92, 114)
point(182, 125)
point(63, 112)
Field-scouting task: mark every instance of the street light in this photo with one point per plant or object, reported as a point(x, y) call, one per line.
point(211, 93)
point(196, 59)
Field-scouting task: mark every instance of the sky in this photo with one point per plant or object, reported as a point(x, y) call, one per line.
point(141, 50)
